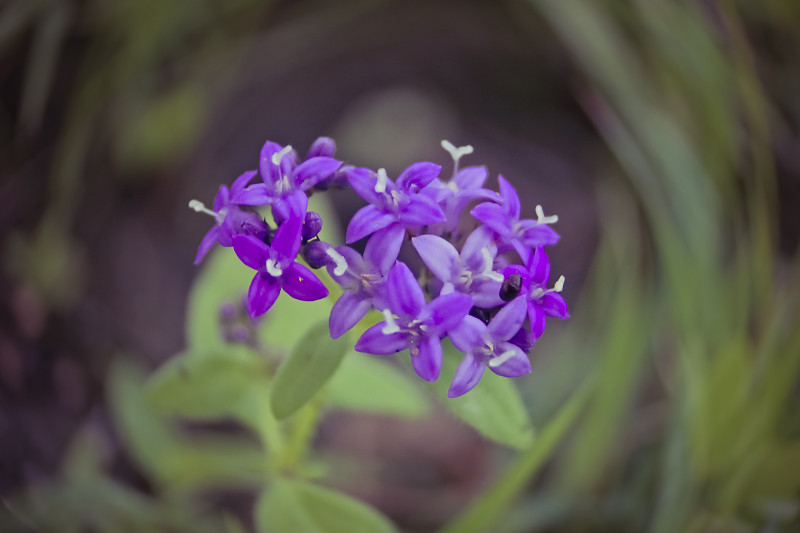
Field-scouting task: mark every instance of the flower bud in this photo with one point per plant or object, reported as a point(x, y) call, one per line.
point(315, 254)
point(322, 147)
point(312, 225)
point(511, 287)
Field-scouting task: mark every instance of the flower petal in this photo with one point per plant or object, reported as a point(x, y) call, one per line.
point(384, 246)
point(346, 312)
point(472, 251)
point(515, 365)
point(322, 147)
point(367, 220)
point(363, 181)
point(553, 305)
point(314, 170)
point(509, 319)
point(264, 290)
point(256, 194)
point(468, 334)
point(486, 293)
point(375, 341)
point(251, 251)
point(301, 283)
point(421, 211)
point(405, 295)
point(438, 255)
point(538, 320)
point(211, 238)
point(493, 216)
point(510, 198)
point(471, 177)
point(426, 358)
point(241, 182)
point(539, 267)
point(468, 375)
point(270, 172)
point(418, 175)
point(286, 242)
point(539, 235)
point(448, 310)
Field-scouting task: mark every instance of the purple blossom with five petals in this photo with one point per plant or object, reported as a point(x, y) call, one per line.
point(503, 219)
point(276, 268)
point(393, 207)
point(230, 220)
point(471, 272)
point(488, 345)
point(363, 280)
point(418, 325)
point(286, 181)
point(541, 302)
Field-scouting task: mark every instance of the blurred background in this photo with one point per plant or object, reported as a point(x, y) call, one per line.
point(665, 135)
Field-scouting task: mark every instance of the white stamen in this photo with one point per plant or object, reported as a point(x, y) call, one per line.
point(274, 269)
point(277, 156)
point(494, 362)
point(380, 186)
point(456, 153)
point(559, 286)
point(488, 260)
point(200, 207)
point(541, 219)
point(391, 326)
point(341, 262)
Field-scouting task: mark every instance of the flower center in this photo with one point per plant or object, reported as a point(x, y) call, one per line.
point(274, 268)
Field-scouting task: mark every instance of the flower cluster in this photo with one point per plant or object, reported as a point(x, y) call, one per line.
point(485, 278)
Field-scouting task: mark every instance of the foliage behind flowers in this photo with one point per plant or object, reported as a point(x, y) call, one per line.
point(463, 295)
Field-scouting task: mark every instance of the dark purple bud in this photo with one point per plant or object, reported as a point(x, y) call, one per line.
point(312, 225)
point(322, 147)
point(511, 287)
point(316, 254)
point(524, 339)
point(481, 314)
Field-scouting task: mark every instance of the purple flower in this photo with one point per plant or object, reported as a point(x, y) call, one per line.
point(230, 220)
point(471, 272)
point(488, 345)
point(393, 207)
point(276, 268)
point(363, 280)
point(503, 219)
point(286, 181)
point(412, 323)
point(541, 302)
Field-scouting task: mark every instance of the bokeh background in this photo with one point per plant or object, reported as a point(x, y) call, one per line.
point(665, 135)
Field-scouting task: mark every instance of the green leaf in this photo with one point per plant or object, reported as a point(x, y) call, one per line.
point(302, 507)
point(365, 383)
point(206, 386)
point(305, 371)
point(493, 407)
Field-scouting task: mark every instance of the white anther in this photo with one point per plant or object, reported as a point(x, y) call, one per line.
point(391, 326)
point(274, 269)
point(559, 286)
point(488, 260)
point(341, 262)
point(456, 153)
point(380, 186)
point(200, 207)
point(494, 362)
point(277, 156)
point(541, 219)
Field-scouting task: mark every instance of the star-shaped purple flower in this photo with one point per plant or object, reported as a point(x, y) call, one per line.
point(488, 345)
point(276, 268)
point(471, 272)
point(230, 220)
point(503, 219)
point(286, 181)
point(412, 323)
point(393, 207)
point(541, 302)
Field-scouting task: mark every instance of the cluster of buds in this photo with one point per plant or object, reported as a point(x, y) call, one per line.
point(486, 289)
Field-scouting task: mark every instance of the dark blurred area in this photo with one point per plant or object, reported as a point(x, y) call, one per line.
point(113, 115)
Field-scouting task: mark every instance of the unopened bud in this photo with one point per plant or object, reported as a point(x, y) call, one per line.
point(315, 254)
point(511, 287)
point(312, 225)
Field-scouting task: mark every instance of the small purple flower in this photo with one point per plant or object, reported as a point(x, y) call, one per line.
point(363, 280)
point(503, 219)
point(286, 181)
point(471, 272)
point(230, 220)
point(541, 302)
point(410, 322)
point(488, 345)
point(393, 207)
point(276, 268)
